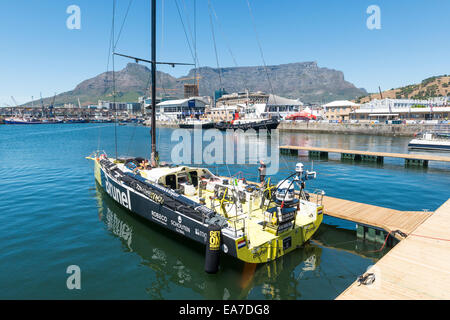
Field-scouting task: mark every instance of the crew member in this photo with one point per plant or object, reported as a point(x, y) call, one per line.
point(144, 164)
point(262, 172)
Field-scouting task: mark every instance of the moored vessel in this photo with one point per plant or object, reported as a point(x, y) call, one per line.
point(431, 141)
point(253, 223)
point(246, 124)
point(250, 222)
point(195, 123)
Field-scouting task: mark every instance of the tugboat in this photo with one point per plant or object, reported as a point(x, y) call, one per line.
point(254, 223)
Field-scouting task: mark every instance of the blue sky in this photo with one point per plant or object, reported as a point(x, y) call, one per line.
point(39, 54)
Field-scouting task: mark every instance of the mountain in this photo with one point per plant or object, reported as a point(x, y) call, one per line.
point(437, 86)
point(305, 80)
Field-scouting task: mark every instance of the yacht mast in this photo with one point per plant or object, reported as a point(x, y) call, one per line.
point(153, 122)
point(153, 62)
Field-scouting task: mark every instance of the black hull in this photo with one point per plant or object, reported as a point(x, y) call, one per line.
point(192, 126)
point(265, 124)
point(147, 204)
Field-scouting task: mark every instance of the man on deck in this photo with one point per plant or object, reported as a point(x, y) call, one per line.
point(262, 172)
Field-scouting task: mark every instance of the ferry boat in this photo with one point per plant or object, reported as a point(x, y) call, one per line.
point(431, 141)
point(253, 223)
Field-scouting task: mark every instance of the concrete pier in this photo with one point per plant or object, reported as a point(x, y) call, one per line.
point(358, 155)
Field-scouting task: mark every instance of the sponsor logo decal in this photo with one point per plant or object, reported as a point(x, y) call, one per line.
point(159, 217)
point(153, 196)
point(181, 228)
point(214, 240)
point(200, 233)
point(121, 197)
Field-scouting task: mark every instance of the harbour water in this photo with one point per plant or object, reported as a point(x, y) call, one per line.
point(54, 216)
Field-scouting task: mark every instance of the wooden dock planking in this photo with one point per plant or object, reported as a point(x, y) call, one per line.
point(425, 157)
point(366, 214)
point(416, 268)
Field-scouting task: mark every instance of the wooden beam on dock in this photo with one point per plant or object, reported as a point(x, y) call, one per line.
point(369, 215)
point(416, 268)
point(365, 155)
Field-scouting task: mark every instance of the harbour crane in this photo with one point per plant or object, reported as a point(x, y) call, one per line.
point(51, 107)
point(197, 77)
point(42, 105)
point(17, 106)
point(15, 102)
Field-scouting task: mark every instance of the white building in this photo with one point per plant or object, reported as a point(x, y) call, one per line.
point(172, 110)
point(253, 105)
point(277, 106)
point(436, 109)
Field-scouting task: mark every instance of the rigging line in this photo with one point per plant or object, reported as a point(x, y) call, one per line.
point(132, 138)
point(162, 26)
point(184, 29)
point(195, 42)
point(188, 23)
point(243, 83)
point(111, 40)
point(193, 35)
point(260, 47)
point(114, 78)
point(223, 34)
point(123, 23)
point(194, 55)
point(214, 40)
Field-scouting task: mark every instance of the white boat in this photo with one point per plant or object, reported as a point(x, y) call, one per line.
point(431, 141)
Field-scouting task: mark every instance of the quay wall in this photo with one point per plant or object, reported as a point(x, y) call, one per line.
point(379, 129)
point(406, 130)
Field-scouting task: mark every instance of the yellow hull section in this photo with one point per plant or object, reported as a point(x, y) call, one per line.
point(273, 249)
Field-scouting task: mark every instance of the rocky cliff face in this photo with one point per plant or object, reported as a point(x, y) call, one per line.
point(303, 80)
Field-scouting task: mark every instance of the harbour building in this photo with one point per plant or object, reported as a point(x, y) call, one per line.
point(434, 109)
point(339, 110)
point(172, 110)
point(253, 105)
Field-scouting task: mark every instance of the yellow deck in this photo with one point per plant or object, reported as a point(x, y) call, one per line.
point(254, 230)
point(416, 268)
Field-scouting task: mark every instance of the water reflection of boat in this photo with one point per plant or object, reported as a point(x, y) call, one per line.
point(175, 263)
